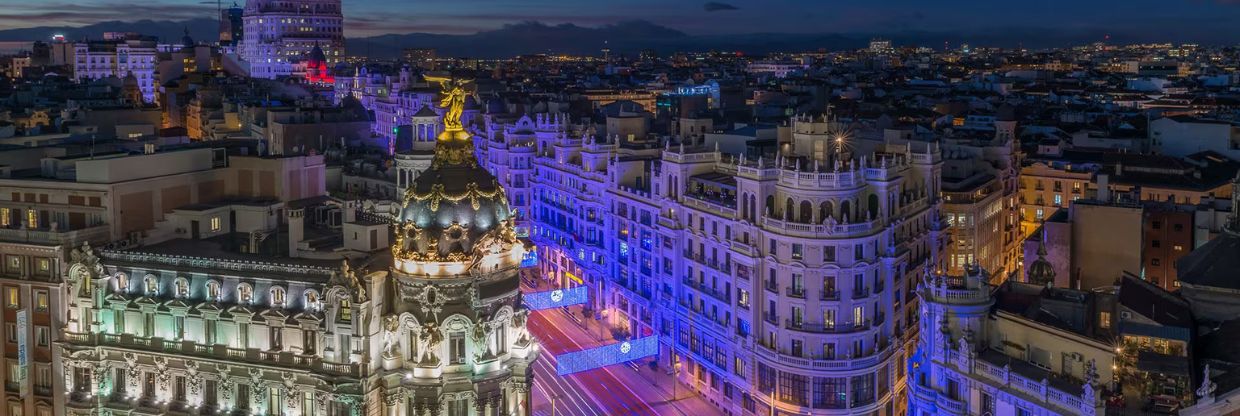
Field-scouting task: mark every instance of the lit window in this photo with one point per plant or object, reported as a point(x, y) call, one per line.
point(213, 290)
point(13, 297)
point(215, 223)
point(152, 286)
point(182, 288)
point(277, 296)
point(41, 301)
point(244, 293)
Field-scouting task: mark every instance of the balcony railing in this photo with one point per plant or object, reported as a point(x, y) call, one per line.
point(830, 294)
point(819, 328)
point(253, 355)
point(795, 292)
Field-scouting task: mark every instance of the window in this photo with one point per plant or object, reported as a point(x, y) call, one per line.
point(796, 251)
point(152, 286)
point(346, 310)
point(311, 300)
point(245, 294)
point(41, 336)
point(276, 335)
point(457, 348)
point(1155, 243)
point(182, 288)
point(277, 297)
point(10, 331)
point(45, 266)
point(1104, 319)
point(41, 301)
point(828, 253)
point(213, 290)
point(13, 298)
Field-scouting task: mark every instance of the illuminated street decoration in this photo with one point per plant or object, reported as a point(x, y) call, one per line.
point(556, 298)
point(585, 360)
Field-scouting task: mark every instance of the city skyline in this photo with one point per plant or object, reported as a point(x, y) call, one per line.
point(623, 208)
point(1189, 21)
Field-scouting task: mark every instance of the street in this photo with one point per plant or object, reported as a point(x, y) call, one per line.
point(626, 389)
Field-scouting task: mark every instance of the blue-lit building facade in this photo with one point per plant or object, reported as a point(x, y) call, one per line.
point(785, 280)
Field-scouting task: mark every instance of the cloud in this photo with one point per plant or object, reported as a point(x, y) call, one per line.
point(714, 6)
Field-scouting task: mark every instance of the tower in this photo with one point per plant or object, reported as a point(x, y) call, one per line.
point(454, 335)
point(278, 34)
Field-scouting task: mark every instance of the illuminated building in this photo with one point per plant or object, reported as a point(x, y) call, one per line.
point(189, 325)
point(771, 281)
point(280, 33)
point(1018, 349)
point(981, 190)
point(120, 57)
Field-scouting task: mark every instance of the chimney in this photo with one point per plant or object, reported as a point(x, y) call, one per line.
point(350, 211)
point(1104, 191)
point(296, 229)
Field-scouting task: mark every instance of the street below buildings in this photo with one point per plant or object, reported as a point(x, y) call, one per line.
point(624, 389)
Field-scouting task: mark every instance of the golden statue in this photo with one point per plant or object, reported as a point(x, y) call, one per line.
point(454, 101)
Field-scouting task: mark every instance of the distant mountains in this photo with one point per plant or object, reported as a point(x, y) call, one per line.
point(166, 31)
point(622, 38)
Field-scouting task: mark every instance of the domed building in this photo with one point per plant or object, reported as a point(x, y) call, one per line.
point(454, 329)
point(1040, 271)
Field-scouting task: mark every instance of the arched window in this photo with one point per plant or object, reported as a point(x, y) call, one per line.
point(346, 310)
point(845, 210)
point(152, 285)
point(825, 210)
point(277, 297)
point(182, 288)
point(213, 291)
point(770, 205)
point(311, 301)
point(122, 283)
point(787, 209)
point(245, 293)
point(807, 212)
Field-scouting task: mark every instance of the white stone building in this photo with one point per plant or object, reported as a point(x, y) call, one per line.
point(280, 33)
point(118, 58)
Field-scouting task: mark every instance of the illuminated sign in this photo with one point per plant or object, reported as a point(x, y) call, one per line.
point(585, 360)
point(23, 354)
point(538, 301)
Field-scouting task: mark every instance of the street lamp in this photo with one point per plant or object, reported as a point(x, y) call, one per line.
point(675, 374)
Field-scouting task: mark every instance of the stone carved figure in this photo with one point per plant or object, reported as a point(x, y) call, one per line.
point(391, 339)
point(430, 339)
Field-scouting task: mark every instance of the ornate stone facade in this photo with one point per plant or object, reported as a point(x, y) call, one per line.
point(437, 329)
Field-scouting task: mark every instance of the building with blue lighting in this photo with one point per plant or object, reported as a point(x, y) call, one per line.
point(782, 281)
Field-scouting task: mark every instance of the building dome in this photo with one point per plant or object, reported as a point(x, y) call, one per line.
point(1041, 272)
point(455, 211)
point(452, 208)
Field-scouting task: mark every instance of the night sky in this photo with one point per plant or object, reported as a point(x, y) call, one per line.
point(1198, 20)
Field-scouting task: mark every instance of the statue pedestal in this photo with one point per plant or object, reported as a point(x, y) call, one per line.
point(391, 361)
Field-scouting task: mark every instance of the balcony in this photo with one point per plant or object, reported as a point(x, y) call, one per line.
point(795, 292)
point(250, 355)
point(770, 318)
point(830, 294)
point(769, 353)
point(96, 234)
point(817, 328)
point(860, 293)
point(772, 286)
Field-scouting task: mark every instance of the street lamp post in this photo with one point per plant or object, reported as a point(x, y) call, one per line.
point(675, 375)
